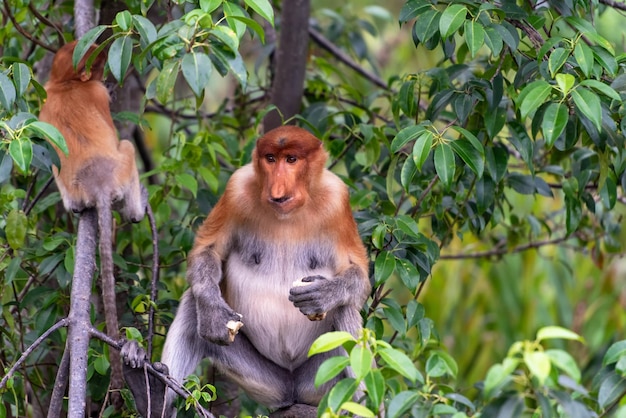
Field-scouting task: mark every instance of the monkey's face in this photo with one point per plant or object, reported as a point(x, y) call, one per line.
point(288, 161)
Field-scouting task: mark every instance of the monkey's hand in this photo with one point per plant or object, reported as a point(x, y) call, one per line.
point(315, 296)
point(218, 323)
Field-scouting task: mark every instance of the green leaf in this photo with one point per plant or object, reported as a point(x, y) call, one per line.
point(196, 68)
point(539, 364)
point(189, 182)
point(565, 82)
point(474, 36)
point(120, 54)
point(452, 19)
point(342, 392)
point(209, 6)
point(405, 136)
point(555, 332)
point(252, 24)
point(427, 24)
point(360, 361)
point(375, 386)
point(330, 368)
point(231, 10)
point(227, 36)
point(584, 57)
point(438, 366)
point(357, 409)
point(401, 403)
point(21, 77)
point(474, 160)
point(605, 89)
point(497, 376)
point(399, 362)
point(51, 133)
point(554, 121)
point(564, 361)
point(101, 365)
point(15, 228)
point(146, 29)
point(557, 59)
point(21, 150)
point(263, 8)
point(533, 96)
point(589, 105)
point(329, 341)
point(408, 274)
point(166, 80)
point(493, 40)
point(611, 389)
point(7, 92)
point(124, 20)
point(421, 149)
point(406, 98)
point(444, 164)
point(614, 353)
point(83, 44)
point(384, 267)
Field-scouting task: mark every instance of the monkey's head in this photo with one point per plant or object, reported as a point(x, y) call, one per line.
point(63, 70)
point(289, 162)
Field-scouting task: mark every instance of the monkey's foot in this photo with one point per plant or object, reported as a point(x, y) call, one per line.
point(297, 410)
point(147, 389)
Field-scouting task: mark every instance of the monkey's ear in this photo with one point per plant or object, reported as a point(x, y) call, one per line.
point(85, 75)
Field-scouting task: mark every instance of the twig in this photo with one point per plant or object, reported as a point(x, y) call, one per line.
point(60, 384)
point(164, 378)
point(614, 4)
point(62, 323)
point(46, 21)
point(501, 250)
point(324, 43)
point(23, 31)
point(155, 276)
point(32, 203)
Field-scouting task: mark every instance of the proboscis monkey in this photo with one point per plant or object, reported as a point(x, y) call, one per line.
point(277, 263)
point(99, 170)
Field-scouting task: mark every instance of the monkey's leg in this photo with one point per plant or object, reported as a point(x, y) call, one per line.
point(135, 197)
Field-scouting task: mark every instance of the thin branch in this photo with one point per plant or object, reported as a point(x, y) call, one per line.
point(614, 4)
point(324, 43)
point(23, 31)
point(164, 378)
point(503, 249)
point(155, 276)
point(46, 21)
point(62, 323)
point(32, 203)
point(60, 384)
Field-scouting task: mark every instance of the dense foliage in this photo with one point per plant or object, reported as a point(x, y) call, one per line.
point(485, 131)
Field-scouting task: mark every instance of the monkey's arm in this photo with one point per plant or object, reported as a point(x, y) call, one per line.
point(217, 322)
point(350, 285)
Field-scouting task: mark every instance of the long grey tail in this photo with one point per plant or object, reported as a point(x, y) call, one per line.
point(105, 226)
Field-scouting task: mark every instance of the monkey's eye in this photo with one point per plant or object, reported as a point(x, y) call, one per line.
point(270, 158)
point(291, 159)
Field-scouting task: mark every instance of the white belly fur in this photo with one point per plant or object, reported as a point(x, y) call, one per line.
point(275, 327)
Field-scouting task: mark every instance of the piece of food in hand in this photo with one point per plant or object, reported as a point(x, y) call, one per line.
point(233, 329)
point(312, 317)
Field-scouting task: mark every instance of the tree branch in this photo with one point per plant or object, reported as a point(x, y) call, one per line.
point(614, 4)
point(83, 17)
point(79, 320)
point(63, 322)
point(324, 43)
point(501, 250)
